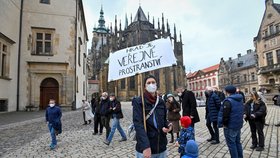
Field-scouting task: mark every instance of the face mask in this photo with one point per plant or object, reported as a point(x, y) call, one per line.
point(180, 94)
point(151, 88)
point(51, 105)
point(111, 99)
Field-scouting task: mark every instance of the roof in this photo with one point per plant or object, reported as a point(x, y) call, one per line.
point(140, 15)
point(244, 61)
point(277, 7)
point(204, 71)
point(211, 68)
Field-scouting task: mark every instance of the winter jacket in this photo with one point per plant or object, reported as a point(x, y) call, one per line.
point(213, 106)
point(154, 138)
point(105, 107)
point(53, 116)
point(186, 134)
point(231, 112)
point(259, 110)
point(173, 109)
point(118, 110)
point(189, 105)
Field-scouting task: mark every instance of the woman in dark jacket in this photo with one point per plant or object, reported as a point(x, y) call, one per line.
point(255, 112)
point(173, 115)
point(152, 141)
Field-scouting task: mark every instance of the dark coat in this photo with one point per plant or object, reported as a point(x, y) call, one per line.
point(53, 116)
point(213, 106)
point(275, 100)
point(105, 107)
point(96, 107)
point(118, 111)
point(174, 109)
point(154, 138)
point(189, 105)
point(259, 110)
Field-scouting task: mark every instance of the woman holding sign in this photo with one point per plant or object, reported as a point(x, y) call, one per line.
point(152, 127)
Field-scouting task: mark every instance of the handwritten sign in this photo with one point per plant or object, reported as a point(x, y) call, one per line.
point(141, 58)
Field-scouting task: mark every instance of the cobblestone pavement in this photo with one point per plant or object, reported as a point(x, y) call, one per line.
point(30, 138)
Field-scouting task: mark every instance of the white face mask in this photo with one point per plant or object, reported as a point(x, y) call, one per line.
point(180, 94)
point(51, 105)
point(111, 99)
point(151, 88)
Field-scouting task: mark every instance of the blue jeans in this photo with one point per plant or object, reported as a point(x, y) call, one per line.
point(160, 155)
point(116, 125)
point(51, 129)
point(233, 142)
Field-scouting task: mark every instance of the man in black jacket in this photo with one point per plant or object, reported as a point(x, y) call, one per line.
point(189, 105)
point(105, 112)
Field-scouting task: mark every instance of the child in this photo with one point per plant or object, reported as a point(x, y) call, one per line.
point(186, 133)
point(191, 149)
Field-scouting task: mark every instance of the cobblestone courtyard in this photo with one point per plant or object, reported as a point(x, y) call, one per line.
point(30, 138)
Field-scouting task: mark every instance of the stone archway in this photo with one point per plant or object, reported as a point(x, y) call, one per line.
point(49, 89)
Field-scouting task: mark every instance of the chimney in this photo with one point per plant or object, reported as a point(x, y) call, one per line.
point(249, 51)
point(239, 55)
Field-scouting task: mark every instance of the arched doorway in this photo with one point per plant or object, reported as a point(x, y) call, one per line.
point(49, 89)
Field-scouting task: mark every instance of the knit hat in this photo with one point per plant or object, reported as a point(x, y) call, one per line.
point(149, 76)
point(185, 121)
point(230, 89)
point(170, 95)
point(191, 149)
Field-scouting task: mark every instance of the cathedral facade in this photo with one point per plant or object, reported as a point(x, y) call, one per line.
point(140, 30)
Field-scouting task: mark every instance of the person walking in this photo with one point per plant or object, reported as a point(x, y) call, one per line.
point(277, 101)
point(150, 143)
point(231, 118)
point(105, 112)
point(189, 105)
point(87, 112)
point(53, 118)
point(97, 117)
point(213, 105)
point(238, 91)
point(117, 114)
point(255, 112)
point(173, 115)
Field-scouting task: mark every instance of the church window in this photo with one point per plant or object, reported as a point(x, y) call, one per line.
point(132, 83)
point(123, 84)
point(43, 41)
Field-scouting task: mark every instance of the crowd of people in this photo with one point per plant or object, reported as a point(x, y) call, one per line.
point(155, 115)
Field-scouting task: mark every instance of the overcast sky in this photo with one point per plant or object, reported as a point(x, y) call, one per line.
point(210, 29)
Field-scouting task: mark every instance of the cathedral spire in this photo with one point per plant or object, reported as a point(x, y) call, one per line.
point(153, 22)
point(120, 26)
point(162, 25)
point(168, 28)
point(180, 37)
point(101, 23)
point(140, 16)
point(158, 24)
point(175, 34)
point(148, 17)
point(126, 22)
point(116, 25)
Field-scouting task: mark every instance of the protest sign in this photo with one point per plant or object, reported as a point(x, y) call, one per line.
point(141, 58)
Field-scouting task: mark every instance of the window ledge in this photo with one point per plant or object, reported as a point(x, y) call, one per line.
point(42, 54)
point(5, 78)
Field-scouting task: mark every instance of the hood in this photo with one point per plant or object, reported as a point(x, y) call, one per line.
point(237, 97)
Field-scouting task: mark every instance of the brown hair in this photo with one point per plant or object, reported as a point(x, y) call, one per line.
point(255, 95)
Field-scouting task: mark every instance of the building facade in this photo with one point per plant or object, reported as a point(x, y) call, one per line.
point(240, 72)
point(138, 31)
point(52, 53)
point(198, 80)
point(267, 44)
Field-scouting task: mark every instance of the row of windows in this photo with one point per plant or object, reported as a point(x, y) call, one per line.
point(132, 84)
point(240, 78)
point(272, 29)
point(202, 84)
point(269, 57)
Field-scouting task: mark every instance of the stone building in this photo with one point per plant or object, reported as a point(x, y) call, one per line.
point(51, 63)
point(138, 31)
point(267, 44)
point(198, 80)
point(240, 72)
